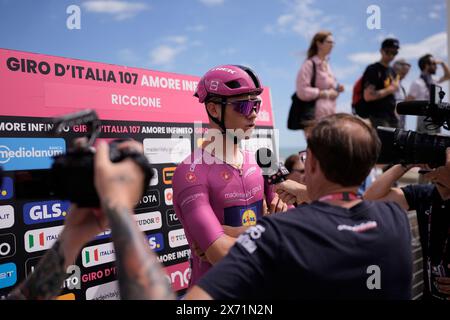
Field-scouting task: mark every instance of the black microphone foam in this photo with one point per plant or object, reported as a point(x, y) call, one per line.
point(414, 108)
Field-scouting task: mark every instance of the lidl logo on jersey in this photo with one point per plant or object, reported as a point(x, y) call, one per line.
point(96, 255)
point(248, 216)
point(29, 153)
point(243, 215)
point(6, 190)
point(41, 239)
point(45, 211)
point(156, 241)
point(8, 275)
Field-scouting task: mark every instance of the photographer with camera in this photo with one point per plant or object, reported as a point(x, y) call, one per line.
point(441, 174)
point(432, 204)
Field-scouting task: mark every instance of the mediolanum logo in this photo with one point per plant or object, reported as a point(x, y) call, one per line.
point(96, 255)
point(46, 211)
point(29, 153)
point(41, 239)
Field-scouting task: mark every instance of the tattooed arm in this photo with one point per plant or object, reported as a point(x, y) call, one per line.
point(139, 272)
point(119, 186)
point(46, 281)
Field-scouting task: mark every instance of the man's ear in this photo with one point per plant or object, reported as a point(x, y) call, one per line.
point(313, 163)
point(214, 109)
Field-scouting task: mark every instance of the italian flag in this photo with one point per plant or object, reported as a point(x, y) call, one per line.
point(88, 256)
point(41, 240)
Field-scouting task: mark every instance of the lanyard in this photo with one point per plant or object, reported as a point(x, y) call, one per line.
point(344, 196)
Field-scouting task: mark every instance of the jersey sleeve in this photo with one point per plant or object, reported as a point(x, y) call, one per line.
point(249, 267)
point(193, 208)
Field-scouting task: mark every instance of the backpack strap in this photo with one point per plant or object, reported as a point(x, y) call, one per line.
point(313, 78)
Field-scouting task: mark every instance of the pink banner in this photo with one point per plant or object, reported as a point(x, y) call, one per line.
point(37, 85)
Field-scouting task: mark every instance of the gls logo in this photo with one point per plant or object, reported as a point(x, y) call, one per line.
point(46, 211)
point(156, 241)
point(7, 245)
point(8, 275)
point(29, 153)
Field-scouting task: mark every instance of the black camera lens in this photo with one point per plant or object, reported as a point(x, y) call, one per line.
point(409, 147)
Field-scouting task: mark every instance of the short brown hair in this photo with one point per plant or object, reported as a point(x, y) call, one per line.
point(318, 37)
point(346, 148)
point(291, 161)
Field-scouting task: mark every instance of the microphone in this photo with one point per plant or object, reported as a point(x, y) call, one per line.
point(273, 173)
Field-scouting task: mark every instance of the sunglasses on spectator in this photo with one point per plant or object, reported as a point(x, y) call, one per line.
point(302, 156)
point(391, 52)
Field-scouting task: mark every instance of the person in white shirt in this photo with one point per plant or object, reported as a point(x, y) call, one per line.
point(401, 68)
point(420, 88)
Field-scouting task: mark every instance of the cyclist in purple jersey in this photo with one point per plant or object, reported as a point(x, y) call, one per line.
point(219, 184)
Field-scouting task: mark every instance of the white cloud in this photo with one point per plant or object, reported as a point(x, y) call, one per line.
point(435, 44)
point(346, 72)
point(120, 10)
point(164, 55)
point(228, 51)
point(285, 19)
point(436, 11)
point(196, 28)
point(303, 18)
point(211, 3)
point(177, 39)
point(127, 56)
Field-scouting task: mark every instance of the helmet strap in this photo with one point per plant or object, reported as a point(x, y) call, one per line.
point(221, 122)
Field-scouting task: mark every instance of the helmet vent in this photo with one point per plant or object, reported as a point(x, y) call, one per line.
point(233, 84)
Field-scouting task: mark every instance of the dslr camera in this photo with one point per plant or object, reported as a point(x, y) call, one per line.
point(409, 147)
point(71, 176)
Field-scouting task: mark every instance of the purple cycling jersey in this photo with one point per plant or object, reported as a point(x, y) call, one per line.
point(209, 193)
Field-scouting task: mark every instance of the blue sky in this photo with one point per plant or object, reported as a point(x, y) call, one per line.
point(190, 36)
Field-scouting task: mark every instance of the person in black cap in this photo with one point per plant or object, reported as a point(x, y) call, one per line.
point(380, 83)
